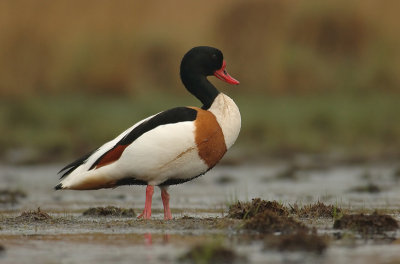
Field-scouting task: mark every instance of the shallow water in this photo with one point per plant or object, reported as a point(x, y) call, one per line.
point(126, 240)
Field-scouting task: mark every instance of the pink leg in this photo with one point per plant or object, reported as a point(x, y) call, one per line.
point(147, 239)
point(165, 200)
point(147, 207)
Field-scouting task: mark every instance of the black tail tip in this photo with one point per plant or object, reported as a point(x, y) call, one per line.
point(58, 187)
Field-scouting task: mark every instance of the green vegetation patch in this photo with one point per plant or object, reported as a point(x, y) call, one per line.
point(55, 128)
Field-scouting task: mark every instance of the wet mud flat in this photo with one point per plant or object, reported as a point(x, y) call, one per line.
point(235, 214)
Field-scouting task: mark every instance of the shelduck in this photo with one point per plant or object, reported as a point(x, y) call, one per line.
point(168, 148)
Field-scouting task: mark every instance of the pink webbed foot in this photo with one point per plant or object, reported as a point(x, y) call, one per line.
point(147, 207)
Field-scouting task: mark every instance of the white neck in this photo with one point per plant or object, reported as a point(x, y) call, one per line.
point(228, 117)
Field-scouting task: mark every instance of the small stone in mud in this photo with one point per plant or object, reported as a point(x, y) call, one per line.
point(269, 222)
point(211, 253)
point(34, 216)
point(245, 210)
point(369, 188)
point(11, 196)
point(318, 209)
point(367, 224)
point(298, 241)
point(109, 211)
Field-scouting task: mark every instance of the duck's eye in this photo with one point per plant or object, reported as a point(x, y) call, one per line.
point(214, 56)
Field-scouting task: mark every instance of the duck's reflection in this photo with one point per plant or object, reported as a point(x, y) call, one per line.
point(148, 239)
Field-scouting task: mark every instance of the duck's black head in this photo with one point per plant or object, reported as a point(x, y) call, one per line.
point(196, 65)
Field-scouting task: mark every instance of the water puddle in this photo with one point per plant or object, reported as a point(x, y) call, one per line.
point(199, 209)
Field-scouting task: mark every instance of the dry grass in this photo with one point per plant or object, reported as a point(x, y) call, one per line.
point(246, 210)
point(34, 216)
point(121, 47)
point(375, 223)
point(109, 211)
point(316, 210)
point(293, 46)
point(94, 46)
point(265, 217)
point(269, 222)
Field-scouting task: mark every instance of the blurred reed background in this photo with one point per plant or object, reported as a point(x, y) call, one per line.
point(316, 76)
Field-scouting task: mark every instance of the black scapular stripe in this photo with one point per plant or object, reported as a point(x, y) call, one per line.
point(171, 116)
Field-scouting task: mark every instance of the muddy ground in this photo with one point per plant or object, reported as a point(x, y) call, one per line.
point(358, 225)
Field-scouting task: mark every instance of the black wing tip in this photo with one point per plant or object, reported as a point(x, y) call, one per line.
point(65, 172)
point(72, 166)
point(58, 187)
point(63, 169)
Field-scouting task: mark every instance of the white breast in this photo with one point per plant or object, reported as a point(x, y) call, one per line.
point(228, 117)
